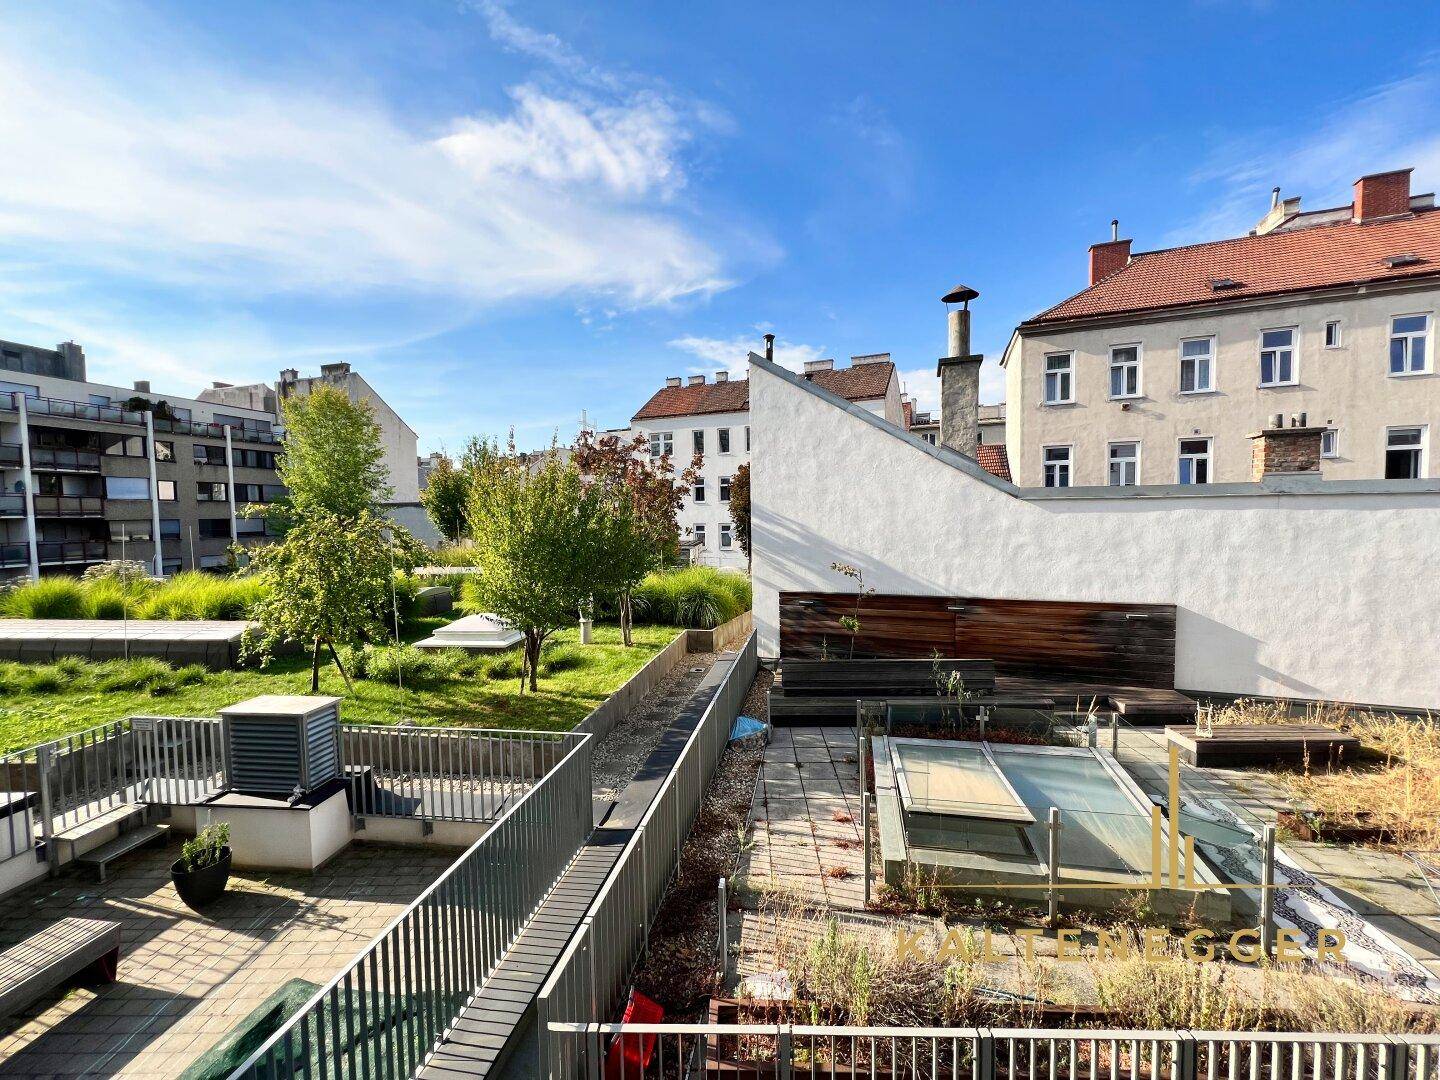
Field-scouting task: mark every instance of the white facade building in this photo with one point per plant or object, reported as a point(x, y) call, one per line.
point(712, 419)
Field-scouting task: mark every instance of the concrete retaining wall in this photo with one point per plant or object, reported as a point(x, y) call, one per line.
point(603, 717)
point(723, 637)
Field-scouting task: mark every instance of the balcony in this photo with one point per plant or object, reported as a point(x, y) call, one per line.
point(45, 459)
point(84, 506)
point(12, 506)
point(10, 456)
point(54, 553)
point(115, 414)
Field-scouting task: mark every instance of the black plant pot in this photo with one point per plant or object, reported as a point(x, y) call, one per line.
point(204, 886)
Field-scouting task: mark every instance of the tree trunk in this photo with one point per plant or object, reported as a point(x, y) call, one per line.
point(626, 619)
point(315, 669)
point(532, 661)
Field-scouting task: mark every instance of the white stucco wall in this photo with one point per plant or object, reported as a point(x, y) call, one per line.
point(1331, 595)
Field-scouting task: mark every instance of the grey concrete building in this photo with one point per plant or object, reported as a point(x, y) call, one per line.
point(65, 361)
point(92, 472)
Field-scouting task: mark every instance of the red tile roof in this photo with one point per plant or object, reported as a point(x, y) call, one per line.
point(993, 459)
point(861, 382)
point(1339, 254)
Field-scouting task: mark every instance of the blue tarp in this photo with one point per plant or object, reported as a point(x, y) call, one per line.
point(745, 726)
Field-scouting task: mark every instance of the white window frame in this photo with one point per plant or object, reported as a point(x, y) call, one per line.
point(1339, 342)
point(1294, 349)
point(698, 531)
point(1137, 364)
point(1428, 367)
point(1423, 445)
point(1069, 464)
point(724, 489)
point(1068, 373)
point(1332, 437)
point(727, 536)
point(1209, 387)
point(1181, 457)
point(722, 440)
point(661, 443)
point(697, 440)
point(1111, 461)
point(697, 493)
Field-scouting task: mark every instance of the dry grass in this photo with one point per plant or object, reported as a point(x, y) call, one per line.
point(1396, 784)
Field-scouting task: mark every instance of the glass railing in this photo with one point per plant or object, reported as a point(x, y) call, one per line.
point(69, 506)
point(44, 457)
point(12, 505)
point(54, 553)
point(116, 414)
point(10, 456)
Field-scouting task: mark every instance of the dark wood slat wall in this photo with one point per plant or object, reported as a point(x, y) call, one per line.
point(1130, 644)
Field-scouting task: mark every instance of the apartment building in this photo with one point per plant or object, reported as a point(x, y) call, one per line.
point(92, 472)
point(1169, 363)
point(698, 416)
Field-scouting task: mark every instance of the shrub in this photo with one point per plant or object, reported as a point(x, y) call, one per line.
point(110, 598)
point(125, 571)
point(48, 598)
point(453, 555)
point(562, 658)
point(405, 663)
point(192, 594)
point(696, 597)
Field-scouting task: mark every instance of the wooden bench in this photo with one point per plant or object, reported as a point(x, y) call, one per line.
point(54, 956)
point(1251, 744)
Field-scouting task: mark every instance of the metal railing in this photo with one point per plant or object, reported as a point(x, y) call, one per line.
point(391, 1006)
point(69, 506)
point(118, 414)
point(590, 976)
point(11, 456)
point(786, 1052)
point(444, 774)
point(54, 553)
point(45, 457)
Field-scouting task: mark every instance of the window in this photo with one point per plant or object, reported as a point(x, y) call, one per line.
point(747, 438)
point(129, 531)
point(1125, 371)
point(724, 489)
point(124, 445)
point(1277, 357)
point(250, 527)
point(164, 451)
point(209, 455)
point(255, 459)
point(661, 443)
point(700, 489)
point(1404, 453)
point(169, 528)
point(699, 438)
point(1194, 461)
point(259, 493)
point(1197, 361)
point(723, 434)
point(180, 413)
point(1124, 464)
point(727, 535)
point(1408, 355)
point(699, 531)
point(207, 492)
point(165, 490)
point(1332, 334)
point(24, 389)
point(214, 529)
point(99, 399)
point(1057, 466)
point(127, 487)
point(213, 562)
point(1330, 443)
point(928, 436)
point(1058, 375)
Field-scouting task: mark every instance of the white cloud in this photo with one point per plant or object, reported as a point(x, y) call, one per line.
point(183, 175)
point(731, 354)
point(1393, 126)
point(924, 387)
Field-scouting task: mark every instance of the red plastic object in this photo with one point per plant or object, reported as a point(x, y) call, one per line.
point(629, 1054)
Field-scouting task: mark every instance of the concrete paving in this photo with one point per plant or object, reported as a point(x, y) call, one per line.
point(213, 643)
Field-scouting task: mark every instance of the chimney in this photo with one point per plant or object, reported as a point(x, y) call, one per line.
point(220, 386)
point(289, 375)
point(334, 370)
point(819, 365)
point(870, 358)
point(1108, 257)
point(1285, 451)
point(142, 386)
point(1382, 195)
point(960, 378)
point(770, 347)
point(74, 357)
point(674, 380)
point(722, 376)
point(697, 380)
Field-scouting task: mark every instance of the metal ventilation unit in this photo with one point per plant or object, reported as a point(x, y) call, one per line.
point(280, 744)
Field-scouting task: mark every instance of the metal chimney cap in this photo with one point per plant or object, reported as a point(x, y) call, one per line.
point(961, 294)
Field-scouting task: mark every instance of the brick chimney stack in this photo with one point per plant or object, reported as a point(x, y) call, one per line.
point(1382, 195)
point(960, 378)
point(1110, 256)
point(1292, 451)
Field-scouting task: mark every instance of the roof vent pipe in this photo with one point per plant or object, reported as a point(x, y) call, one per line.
point(1275, 198)
point(770, 347)
point(1114, 229)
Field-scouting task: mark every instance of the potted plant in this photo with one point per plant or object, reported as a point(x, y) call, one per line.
point(203, 869)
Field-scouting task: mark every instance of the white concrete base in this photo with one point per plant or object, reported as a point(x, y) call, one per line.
point(450, 834)
point(268, 834)
point(481, 632)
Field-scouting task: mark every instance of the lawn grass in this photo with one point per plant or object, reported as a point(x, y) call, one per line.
point(565, 696)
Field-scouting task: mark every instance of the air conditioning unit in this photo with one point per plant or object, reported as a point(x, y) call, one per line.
point(281, 744)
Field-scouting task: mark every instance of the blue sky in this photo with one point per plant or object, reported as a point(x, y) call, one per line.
point(505, 214)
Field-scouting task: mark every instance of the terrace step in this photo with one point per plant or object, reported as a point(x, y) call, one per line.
point(101, 857)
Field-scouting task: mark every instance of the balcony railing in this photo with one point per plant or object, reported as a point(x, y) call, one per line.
point(44, 457)
point(69, 506)
point(116, 414)
point(54, 553)
point(12, 506)
point(10, 456)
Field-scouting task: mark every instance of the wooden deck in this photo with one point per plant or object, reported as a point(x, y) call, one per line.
point(1251, 744)
point(480, 1040)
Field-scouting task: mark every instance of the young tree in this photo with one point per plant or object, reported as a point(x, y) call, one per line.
point(539, 533)
point(643, 496)
point(740, 506)
point(444, 498)
point(332, 571)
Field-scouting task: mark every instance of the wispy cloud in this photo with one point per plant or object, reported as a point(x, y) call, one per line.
point(731, 354)
point(211, 179)
point(1393, 126)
